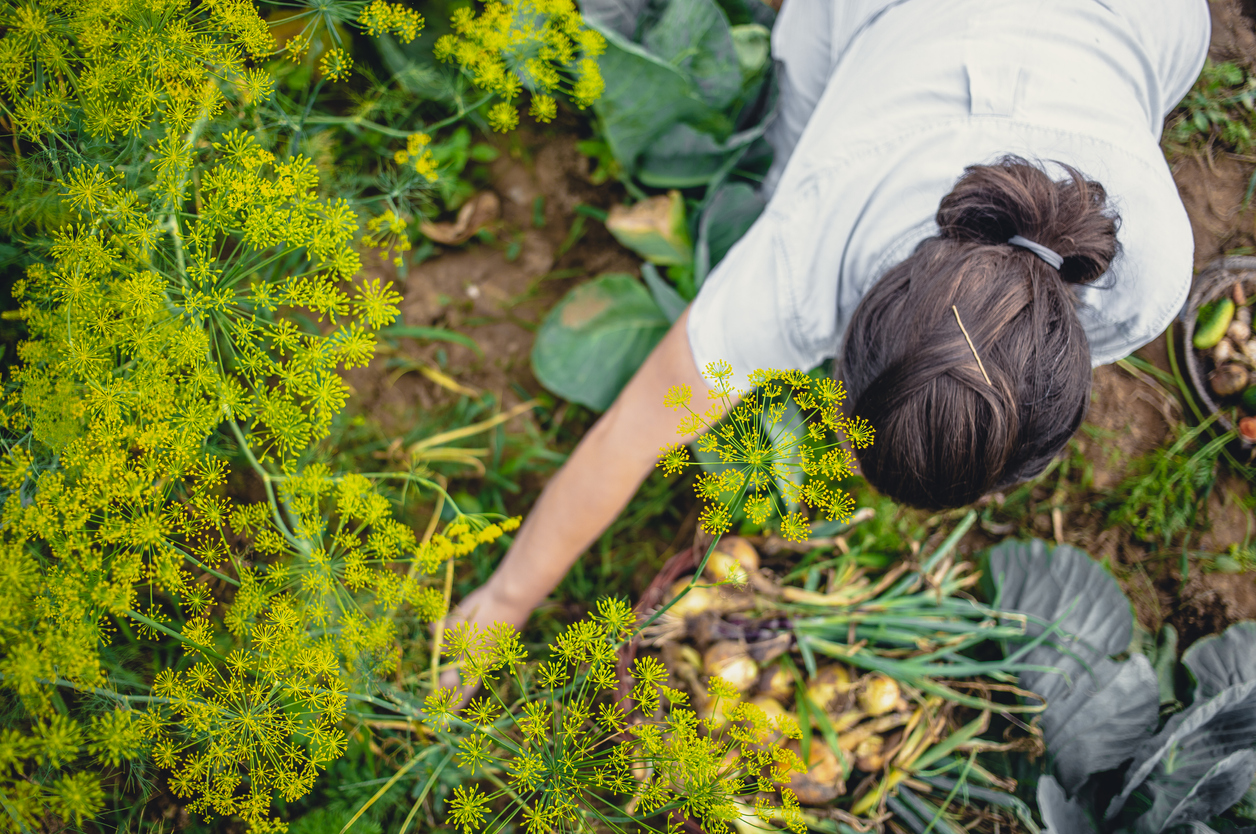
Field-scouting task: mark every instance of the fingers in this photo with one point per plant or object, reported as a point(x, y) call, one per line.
point(450, 679)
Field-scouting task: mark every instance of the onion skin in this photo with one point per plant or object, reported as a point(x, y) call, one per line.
point(772, 708)
point(698, 600)
point(729, 660)
point(734, 559)
point(1228, 380)
point(879, 696)
point(868, 754)
point(822, 783)
point(829, 682)
point(777, 682)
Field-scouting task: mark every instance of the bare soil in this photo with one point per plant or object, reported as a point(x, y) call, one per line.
point(497, 288)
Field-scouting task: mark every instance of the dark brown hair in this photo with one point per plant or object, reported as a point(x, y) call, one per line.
point(944, 436)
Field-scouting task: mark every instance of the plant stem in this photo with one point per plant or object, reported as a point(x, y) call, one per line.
point(156, 626)
point(267, 481)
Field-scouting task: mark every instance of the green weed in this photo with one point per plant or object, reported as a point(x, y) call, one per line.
point(1168, 489)
point(1221, 106)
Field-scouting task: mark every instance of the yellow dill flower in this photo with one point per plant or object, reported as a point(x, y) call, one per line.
point(425, 166)
point(544, 108)
point(424, 162)
point(589, 84)
point(502, 117)
point(541, 45)
point(119, 67)
point(379, 17)
point(387, 233)
point(335, 64)
point(416, 142)
point(784, 438)
point(468, 808)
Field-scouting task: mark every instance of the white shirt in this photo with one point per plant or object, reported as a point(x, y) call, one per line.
point(885, 102)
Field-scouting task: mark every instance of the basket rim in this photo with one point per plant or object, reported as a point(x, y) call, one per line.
point(1209, 285)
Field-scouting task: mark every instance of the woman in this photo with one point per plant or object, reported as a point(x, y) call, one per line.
point(916, 232)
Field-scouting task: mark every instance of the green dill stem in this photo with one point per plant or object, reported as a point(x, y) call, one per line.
point(172, 219)
point(358, 121)
point(299, 128)
point(439, 769)
point(402, 771)
point(267, 480)
point(104, 693)
point(411, 477)
point(505, 789)
point(692, 582)
point(440, 624)
point(379, 702)
point(189, 557)
point(156, 626)
point(8, 809)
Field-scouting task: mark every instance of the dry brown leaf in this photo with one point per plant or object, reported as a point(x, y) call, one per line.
point(474, 215)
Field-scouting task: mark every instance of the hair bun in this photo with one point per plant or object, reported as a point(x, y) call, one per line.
point(991, 203)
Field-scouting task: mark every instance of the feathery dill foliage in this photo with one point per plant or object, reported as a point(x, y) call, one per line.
point(784, 435)
point(116, 67)
point(541, 45)
point(569, 748)
point(162, 330)
point(151, 331)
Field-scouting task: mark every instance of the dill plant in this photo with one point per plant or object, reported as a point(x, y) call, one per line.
point(153, 331)
point(193, 300)
point(565, 749)
point(784, 437)
point(540, 45)
point(573, 744)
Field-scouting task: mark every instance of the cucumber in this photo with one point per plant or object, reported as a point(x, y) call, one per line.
point(1248, 399)
point(1211, 323)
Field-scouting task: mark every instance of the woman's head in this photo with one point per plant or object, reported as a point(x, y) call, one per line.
point(946, 436)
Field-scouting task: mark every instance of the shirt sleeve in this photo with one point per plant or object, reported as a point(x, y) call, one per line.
point(745, 313)
point(1144, 288)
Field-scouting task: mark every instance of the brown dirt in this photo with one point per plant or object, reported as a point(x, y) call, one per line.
point(1211, 602)
point(1232, 36)
point(1128, 418)
point(1213, 183)
point(481, 291)
point(1213, 186)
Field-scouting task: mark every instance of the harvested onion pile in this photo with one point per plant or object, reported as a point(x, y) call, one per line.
point(893, 713)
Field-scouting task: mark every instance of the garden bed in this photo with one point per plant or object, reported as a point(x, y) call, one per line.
point(449, 427)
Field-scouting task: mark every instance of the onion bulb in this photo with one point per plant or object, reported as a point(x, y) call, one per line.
point(729, 660)
point(829, 682)
point(822, 783)
point(868, 756)
point(771, 707)
point(699, 599)
point(734, 560)
point(879, 696)
point(777, 682)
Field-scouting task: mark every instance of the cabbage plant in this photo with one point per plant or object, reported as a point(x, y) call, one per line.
point(1113, 766)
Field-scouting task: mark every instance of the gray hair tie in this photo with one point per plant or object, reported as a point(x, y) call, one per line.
point(1049, 255)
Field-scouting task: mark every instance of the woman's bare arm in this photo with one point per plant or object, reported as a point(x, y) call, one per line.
point(591, 488)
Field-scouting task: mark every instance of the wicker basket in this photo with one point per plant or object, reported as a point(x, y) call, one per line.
point(1214, 282)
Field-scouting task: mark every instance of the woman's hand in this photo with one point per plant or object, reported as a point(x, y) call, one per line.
point(483, 607)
